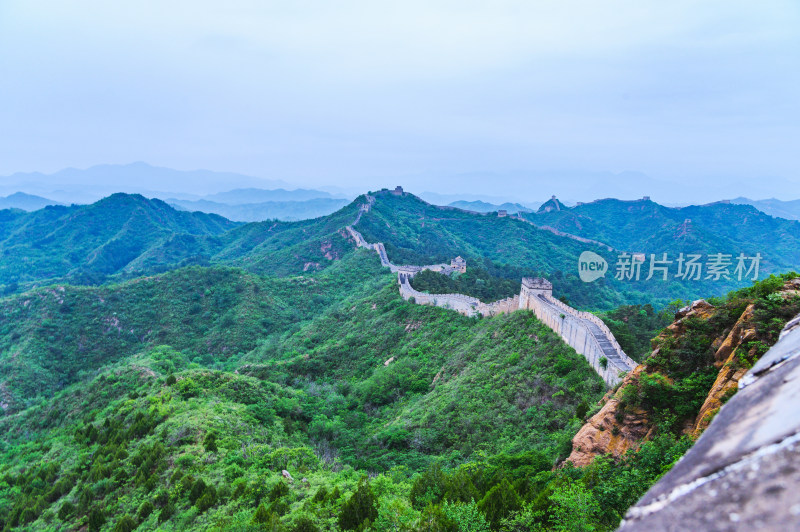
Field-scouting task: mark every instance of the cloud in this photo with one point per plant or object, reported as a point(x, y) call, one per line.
point(320, 92)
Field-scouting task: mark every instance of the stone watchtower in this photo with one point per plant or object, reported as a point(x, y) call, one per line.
point(531, 287)
point(459, 265)
point(398, 191)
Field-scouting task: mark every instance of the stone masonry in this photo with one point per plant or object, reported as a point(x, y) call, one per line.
point(583, 331)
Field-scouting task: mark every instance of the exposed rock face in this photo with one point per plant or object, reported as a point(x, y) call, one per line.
point(742, 473)
point(612, 430)
point(730, 370)
point(615, 429)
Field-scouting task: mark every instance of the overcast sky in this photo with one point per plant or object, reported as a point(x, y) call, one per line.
point(524, 96)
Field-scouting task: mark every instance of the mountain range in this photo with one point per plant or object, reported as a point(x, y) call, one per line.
point(163, 369)
point(128, 235)
point(774, 207)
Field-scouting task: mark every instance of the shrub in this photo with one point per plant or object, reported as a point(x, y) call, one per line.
point(304, 524)
point(126, 524)
point(210, 442)
point(96, 519)
point(166, 512)
point(261, 515)
point(66, 510)
point(499, 502)
point(144, 511)
point(359, 508)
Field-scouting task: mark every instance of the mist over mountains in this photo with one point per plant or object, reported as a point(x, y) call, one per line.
point(246, 198)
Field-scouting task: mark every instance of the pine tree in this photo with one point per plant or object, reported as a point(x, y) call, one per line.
point(360, 508)
point(261, 516)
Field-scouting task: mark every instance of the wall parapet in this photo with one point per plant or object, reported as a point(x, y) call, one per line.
point(583, 331)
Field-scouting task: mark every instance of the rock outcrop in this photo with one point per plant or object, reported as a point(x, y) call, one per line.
point(618, 427)
point(613, 430)
point(742, 473)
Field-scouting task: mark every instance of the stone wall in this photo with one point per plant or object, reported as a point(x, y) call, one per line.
point(583, 331)
point(459, 302)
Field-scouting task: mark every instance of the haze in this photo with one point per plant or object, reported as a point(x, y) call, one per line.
point(683, 101)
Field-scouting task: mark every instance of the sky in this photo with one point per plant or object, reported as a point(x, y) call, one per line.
point(680, 100)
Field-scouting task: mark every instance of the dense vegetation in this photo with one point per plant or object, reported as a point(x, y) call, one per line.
point(178, 433)
point(635, 326)
point(247, 394)
point(54, 336)
point(125, 236)
point(646, 227)
point(476, 282)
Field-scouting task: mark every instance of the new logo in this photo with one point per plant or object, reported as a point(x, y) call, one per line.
point(591, 266)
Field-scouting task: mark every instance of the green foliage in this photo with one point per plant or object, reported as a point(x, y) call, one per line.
point(574, 508)
point(125, 524)
point(476, 282)
point(210, 442)
point(466, 516)
point(359, 509)
point(182, 396)
point(261, 515)
point(499, 502)
point(144, 511)
point(96, 519)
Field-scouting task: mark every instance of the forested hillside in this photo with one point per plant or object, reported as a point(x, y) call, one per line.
point(284, 384)
point(329, 381)
point(124, 236)
point(646, 227)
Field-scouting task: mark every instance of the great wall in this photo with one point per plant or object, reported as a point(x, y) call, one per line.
point(583, 331)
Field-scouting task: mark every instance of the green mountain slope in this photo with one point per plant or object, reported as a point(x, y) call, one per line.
point(309, 391)
point(55, 336)
point(124, 236)
point(94, 240)
point(647, 227)
point(175, 401)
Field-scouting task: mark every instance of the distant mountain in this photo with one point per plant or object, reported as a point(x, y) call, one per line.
point(647, 227)
point(553, 204)
point(125, 235)
point(73, 185)
point(88, 242)
point(259, 195)
point(774, 207)
point(436, 198)
point(26, 202)
point(482, 206)
point(268, 210)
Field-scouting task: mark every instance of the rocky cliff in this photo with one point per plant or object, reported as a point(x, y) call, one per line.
point(737, 331)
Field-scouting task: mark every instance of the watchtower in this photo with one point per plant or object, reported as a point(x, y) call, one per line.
point(531, 287)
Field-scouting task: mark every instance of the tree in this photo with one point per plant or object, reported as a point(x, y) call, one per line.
point(359, 508)
point(210, 442)
point(126, 524)
point(574, 508)
point(304, 524)
point(144, 511)
point(96, 519)
point(261, 515)
point(499, 502)
point(166, 512)
point(467, 517)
